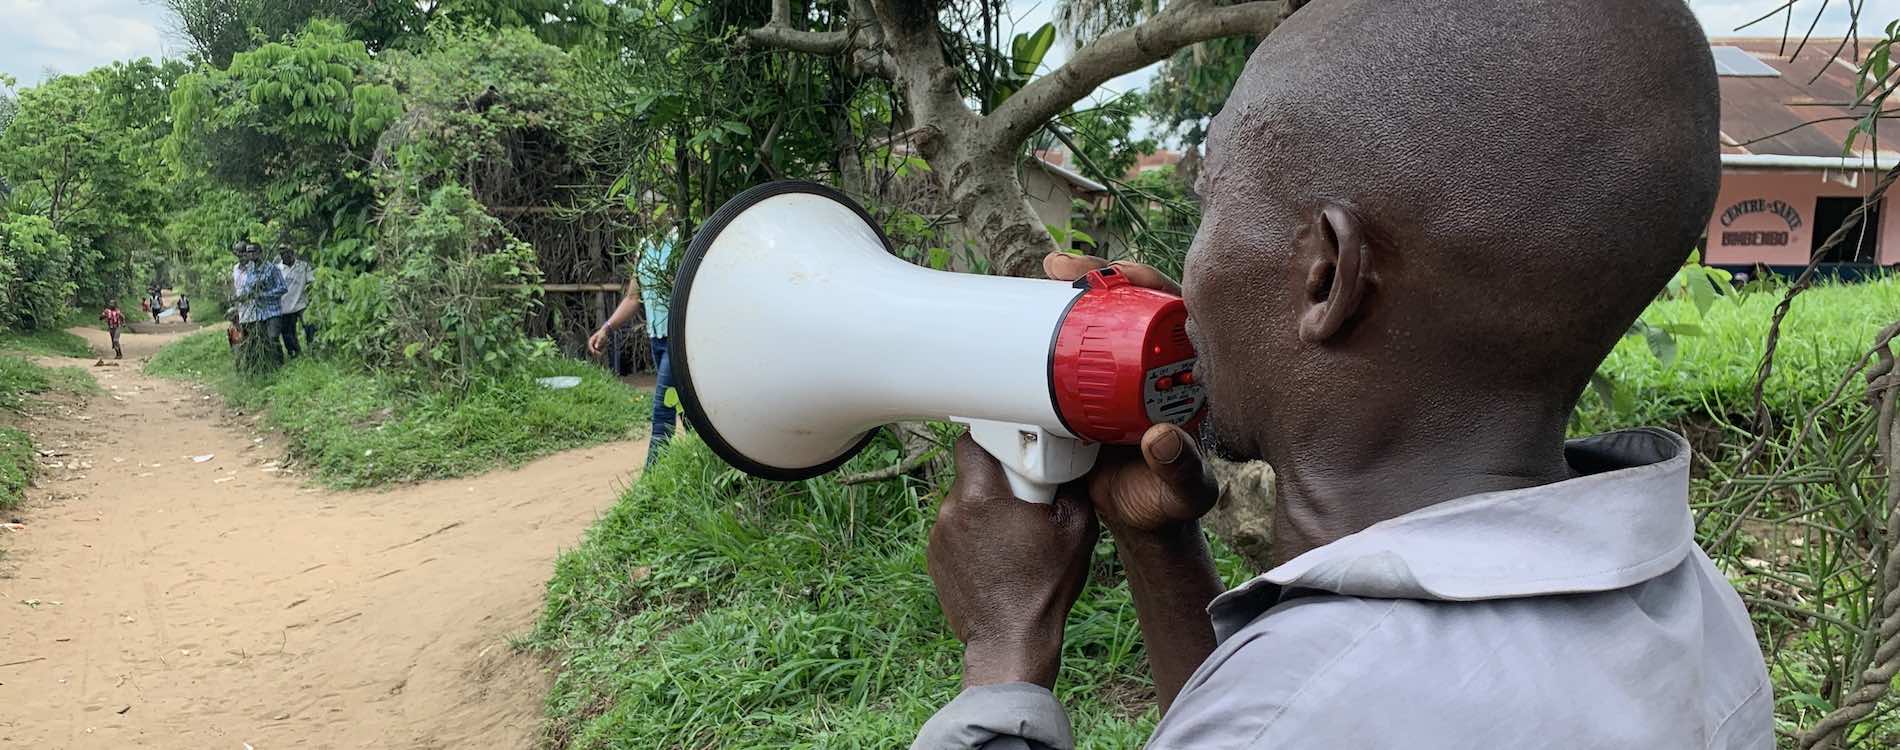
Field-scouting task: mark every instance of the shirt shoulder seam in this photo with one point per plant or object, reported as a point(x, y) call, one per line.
point(1321, 672)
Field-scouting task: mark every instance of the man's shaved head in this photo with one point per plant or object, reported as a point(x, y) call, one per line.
point(1432, 211)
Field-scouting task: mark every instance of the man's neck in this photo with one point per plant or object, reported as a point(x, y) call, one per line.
point(1347, 477)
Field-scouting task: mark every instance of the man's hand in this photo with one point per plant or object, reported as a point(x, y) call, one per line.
point(597, 342)
point(1007, 571)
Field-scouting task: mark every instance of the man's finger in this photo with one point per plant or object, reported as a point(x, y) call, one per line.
point(1066, 267)
point(1171, 454)
point(1144, 275)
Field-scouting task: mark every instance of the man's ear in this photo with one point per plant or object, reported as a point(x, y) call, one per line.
point(1338, 264)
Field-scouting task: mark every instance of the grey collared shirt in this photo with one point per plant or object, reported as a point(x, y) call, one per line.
point(1579, 614)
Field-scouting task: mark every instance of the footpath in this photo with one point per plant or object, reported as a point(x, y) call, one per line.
point(152, 599)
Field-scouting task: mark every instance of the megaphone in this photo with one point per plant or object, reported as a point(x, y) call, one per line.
point(796, 333)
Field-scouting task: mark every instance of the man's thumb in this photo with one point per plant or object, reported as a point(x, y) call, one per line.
point(1171, 454)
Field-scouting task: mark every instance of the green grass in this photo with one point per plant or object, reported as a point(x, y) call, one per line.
point(20, 379)
point(708, 609)
point(16, 466)
point(45, 342)
point(357, 429)
point(1827, 328)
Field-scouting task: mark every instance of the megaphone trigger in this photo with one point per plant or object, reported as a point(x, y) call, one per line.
point(796, 333)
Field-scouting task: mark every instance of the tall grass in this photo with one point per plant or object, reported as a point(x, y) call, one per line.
point(359, 429)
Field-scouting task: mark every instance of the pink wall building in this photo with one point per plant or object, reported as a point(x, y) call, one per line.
point(1786, 186)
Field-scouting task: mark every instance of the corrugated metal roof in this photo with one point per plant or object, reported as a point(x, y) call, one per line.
point(1768, 115)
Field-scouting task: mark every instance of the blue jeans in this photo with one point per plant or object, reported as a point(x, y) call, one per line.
point(663, 415)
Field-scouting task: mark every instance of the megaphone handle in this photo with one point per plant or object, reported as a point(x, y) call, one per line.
point(1035, 461)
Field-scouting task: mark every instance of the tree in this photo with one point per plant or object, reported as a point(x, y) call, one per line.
point(217, 30)
point(1194, 83)
point(81, 153)
point(291, 123)
point(973, 142)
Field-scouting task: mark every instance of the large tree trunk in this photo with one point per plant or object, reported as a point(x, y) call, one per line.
point(987, 191)
point(978, 155)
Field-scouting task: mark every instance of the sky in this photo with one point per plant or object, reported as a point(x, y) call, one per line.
point(72, 36)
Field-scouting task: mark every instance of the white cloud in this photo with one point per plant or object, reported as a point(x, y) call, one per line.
point(72, 36)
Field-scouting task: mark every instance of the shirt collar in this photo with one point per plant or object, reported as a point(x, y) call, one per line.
point(1625, 521)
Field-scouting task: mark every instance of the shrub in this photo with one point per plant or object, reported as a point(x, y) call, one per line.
point(37, 273)
point(448, 300)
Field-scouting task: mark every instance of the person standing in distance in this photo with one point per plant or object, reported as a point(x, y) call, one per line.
point(297, 275)
point(648, 287)
point(258, 291)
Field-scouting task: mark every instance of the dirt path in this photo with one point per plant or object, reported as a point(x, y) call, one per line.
point(225, 605)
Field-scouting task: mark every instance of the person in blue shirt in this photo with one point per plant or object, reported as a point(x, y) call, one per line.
point(257, 291)
point(650, 288)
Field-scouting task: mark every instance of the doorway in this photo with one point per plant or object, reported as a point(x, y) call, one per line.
point(1862, 245)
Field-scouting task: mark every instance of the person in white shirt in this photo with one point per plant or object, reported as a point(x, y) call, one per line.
point(297, 277)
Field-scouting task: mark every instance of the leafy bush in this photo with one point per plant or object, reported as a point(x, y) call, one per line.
point(359, 429)
point(448, 298)
point(37, 273)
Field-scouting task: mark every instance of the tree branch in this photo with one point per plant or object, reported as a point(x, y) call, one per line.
point(1182, 23)
point(861, 38)
point(811, 42)
point(910, 463)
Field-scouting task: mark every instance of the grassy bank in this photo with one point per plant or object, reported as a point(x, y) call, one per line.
point(20, 381)
point(45, 342)
point(356, 429)
point(710, 610)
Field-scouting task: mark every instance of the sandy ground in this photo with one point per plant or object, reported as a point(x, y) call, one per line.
point(153, 601)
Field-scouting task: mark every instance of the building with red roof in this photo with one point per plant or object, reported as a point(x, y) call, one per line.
point(1787, 183)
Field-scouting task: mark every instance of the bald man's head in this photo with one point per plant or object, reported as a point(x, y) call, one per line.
point(1412, 205)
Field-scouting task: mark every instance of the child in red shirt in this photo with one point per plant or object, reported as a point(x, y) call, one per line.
point(114, 319)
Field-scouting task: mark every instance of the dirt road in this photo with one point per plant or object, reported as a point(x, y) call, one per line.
point(154, 601)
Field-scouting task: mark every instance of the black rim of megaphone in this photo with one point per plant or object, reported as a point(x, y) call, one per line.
point(676, 328)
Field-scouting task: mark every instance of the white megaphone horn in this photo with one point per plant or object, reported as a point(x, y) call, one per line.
point(796, 334)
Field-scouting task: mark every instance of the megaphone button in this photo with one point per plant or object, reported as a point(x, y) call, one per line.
point(1164, 383)
point(1186, 378)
